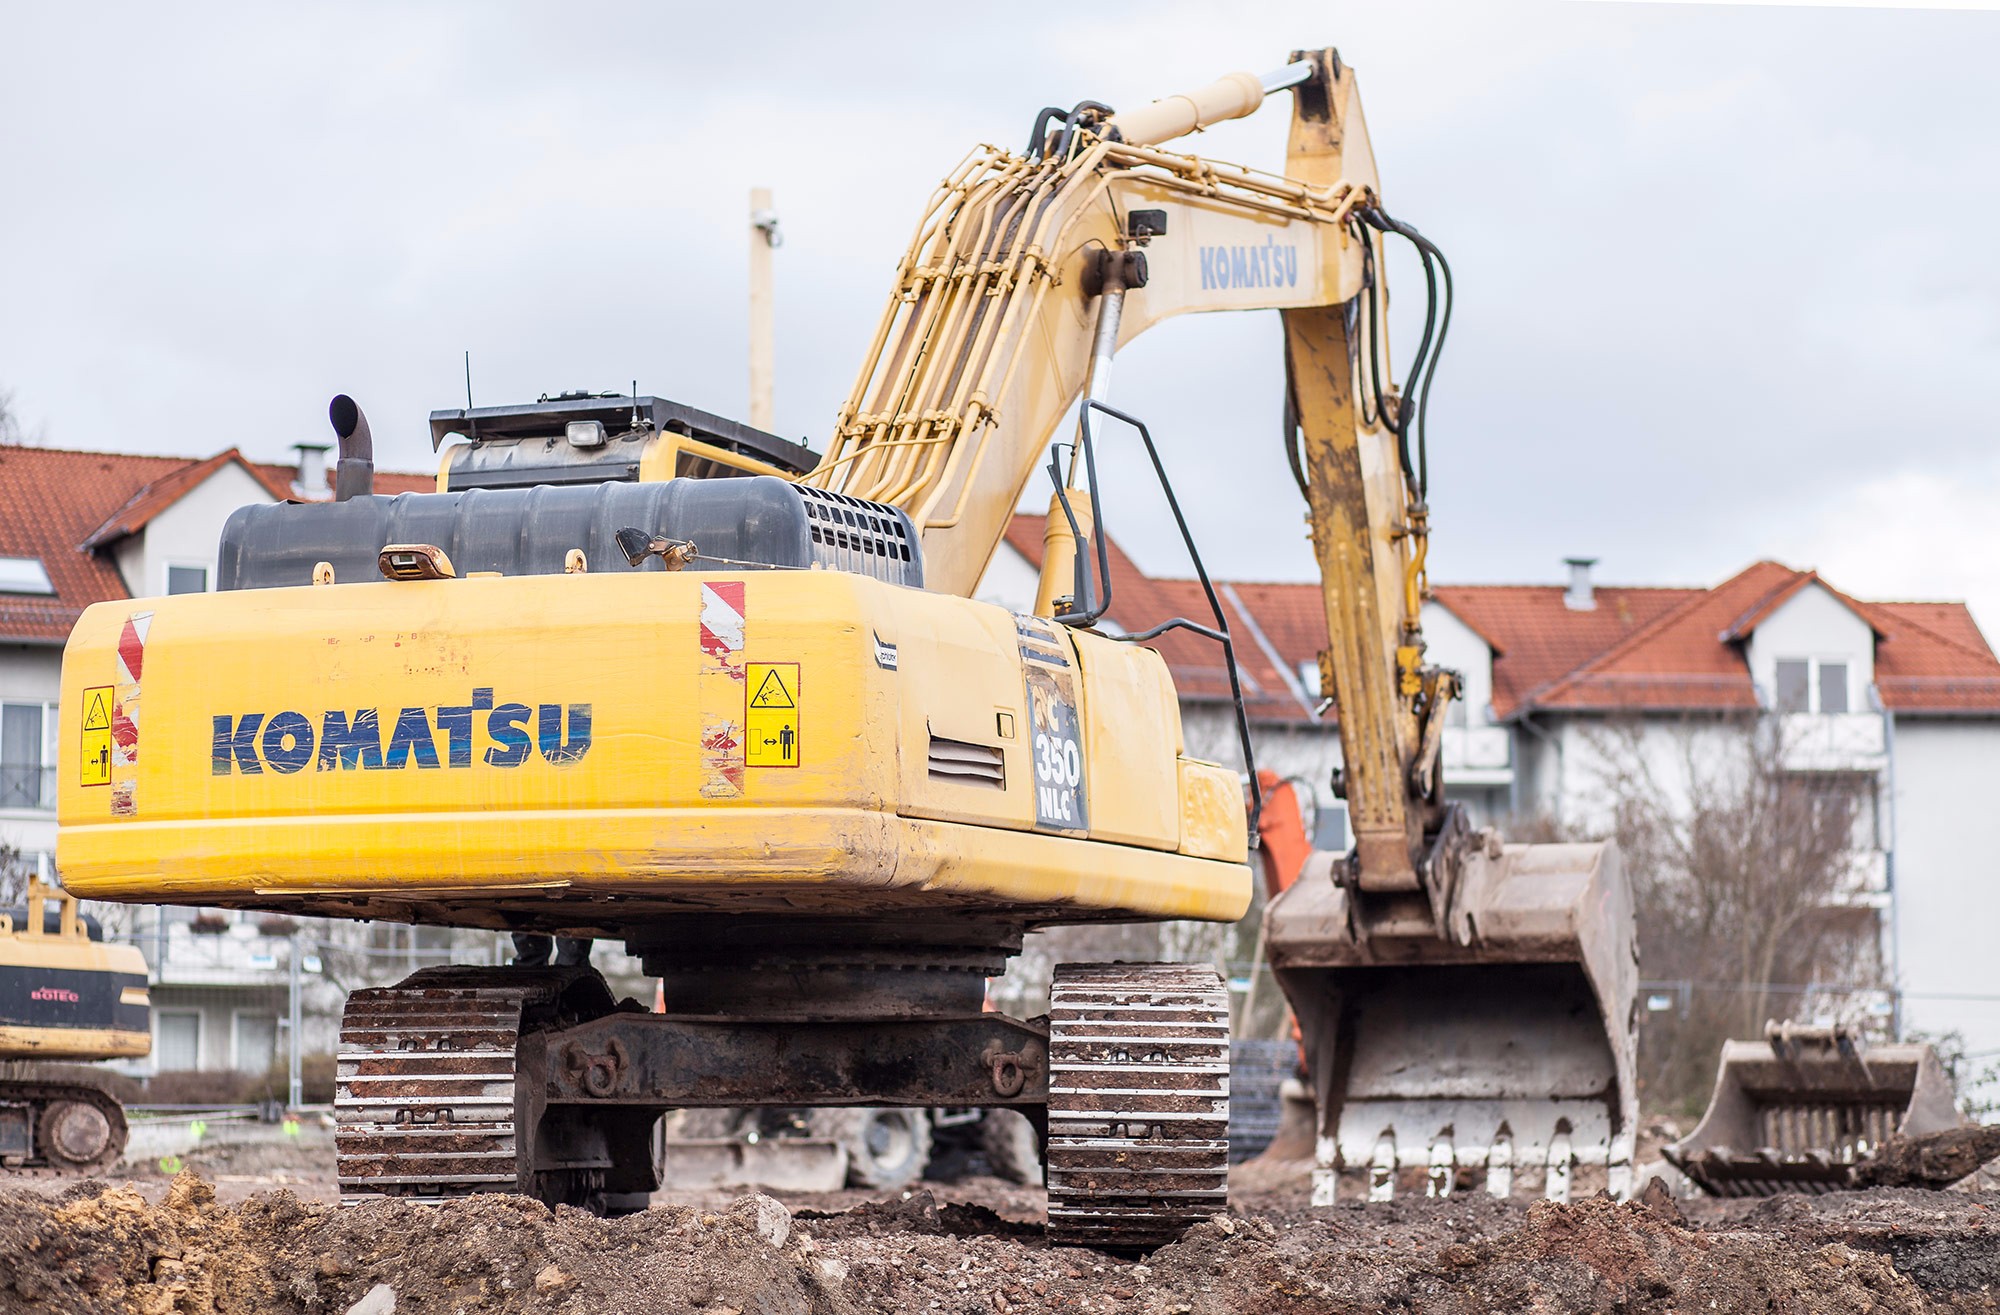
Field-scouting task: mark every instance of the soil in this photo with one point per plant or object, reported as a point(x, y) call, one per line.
point(976, 1246)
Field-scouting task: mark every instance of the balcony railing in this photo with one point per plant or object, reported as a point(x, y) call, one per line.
point(1832, 742)
point(1482, 749)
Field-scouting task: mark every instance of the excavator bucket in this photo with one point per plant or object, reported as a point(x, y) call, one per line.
point(1499, 1056)
point(1799, 1110)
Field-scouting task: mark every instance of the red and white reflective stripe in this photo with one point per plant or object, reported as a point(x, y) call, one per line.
point(125, 715)
point(132, 647)
point(722, 618)
point(125, 701)
point(723, 624)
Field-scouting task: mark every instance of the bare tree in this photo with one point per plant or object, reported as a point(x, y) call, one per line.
point(1742, 874)
point(12, 432)
point(15, 869)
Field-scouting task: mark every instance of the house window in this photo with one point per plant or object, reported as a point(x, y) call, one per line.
point(27, 756)
point(1794, 685)
point(24, 575)
point(1811, 685)
point(187, 579)
point(256, 1042)
point(176, 1040)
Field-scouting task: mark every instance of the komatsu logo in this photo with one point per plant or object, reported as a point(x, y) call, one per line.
point(1266, 266)
point(345, 742)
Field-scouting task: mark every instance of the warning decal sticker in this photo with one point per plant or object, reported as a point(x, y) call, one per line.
point(772, 719)
point(1061, 793)
point(94, 762)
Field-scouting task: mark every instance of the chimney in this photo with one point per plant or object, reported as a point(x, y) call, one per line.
point(310, 485)
point(1580, 596)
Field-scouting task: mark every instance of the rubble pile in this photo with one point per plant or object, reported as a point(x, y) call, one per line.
point(97, 1248)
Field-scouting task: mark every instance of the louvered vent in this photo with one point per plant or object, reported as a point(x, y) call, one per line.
point(973, 764)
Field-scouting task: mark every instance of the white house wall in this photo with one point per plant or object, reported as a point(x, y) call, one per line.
point(1009, 582)
point(188, 532)
point(1947, 877)
point(30, 673)
point(1598, 755)
point(1456, 645)
point(1814, 624)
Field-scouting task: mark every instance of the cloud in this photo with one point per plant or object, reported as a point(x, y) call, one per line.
point(1909, 534)
point(1711, 260)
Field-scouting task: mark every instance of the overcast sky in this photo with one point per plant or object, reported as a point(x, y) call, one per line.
point(1728, 284)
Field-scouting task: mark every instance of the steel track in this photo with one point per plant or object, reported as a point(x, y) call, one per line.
point(1138, 1102)
point(424, 1100)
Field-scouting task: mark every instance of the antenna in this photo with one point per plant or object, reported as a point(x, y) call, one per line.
point(468, 396)
point(635, 404)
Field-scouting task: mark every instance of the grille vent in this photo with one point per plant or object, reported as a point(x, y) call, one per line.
point(849, 534)
point(969, 764)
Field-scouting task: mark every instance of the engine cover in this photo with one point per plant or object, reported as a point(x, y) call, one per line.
point(754, 523)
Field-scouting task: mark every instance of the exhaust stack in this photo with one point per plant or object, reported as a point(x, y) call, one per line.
point(355, 475)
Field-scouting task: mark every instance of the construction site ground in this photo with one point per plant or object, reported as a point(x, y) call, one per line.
point(256, 1229)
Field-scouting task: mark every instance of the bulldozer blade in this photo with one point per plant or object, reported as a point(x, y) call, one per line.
point(791, 1164)
point(1499, 1056)
point(1803, 1109)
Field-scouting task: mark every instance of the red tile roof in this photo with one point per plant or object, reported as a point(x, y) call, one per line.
point(1783, 592)
point(1679, 659)
point(1538, 639)
point(1639, 649)
point(51, 500)
point(66, 508)
point(1140, 601)
point(1934, 660)
point(279, 480)
point(154, 497)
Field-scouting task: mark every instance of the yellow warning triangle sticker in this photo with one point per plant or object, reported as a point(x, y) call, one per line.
point(96, 717)
point(772, 693)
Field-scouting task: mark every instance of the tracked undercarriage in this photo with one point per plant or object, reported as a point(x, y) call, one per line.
point(533, 1080)
point(57, 1120)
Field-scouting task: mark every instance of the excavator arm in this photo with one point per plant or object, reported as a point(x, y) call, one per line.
point(1025, 276)
point(1466, 1006)
point(1027, 272)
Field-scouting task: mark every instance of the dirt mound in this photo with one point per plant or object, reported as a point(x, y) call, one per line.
point(104, 1249)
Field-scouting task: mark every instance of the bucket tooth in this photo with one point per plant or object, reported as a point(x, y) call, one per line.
point(1326, 1171)
point(1500, 1163)
point(1562, 1160)
point(1382, 1170)
point(1444, 1165)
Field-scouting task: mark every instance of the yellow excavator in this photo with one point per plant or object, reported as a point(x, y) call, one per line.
point(65, 997)
point(638, 672)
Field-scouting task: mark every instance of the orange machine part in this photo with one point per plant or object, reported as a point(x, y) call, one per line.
point(1281, 829)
